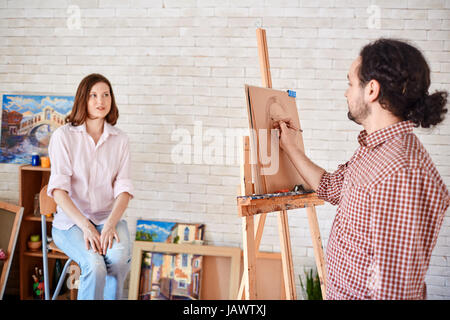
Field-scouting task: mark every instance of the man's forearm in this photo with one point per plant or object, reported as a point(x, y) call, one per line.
point(311, 172)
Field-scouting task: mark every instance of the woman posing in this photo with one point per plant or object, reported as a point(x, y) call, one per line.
point(90, 182)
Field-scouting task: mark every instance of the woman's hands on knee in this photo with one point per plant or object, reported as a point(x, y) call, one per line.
point(92, 238)
point(99, 242)
point(107, 236)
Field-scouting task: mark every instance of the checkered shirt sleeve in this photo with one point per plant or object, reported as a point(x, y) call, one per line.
point(330, 185)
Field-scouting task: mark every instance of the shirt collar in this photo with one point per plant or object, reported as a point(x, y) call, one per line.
point(378, 137)
point(107, 129)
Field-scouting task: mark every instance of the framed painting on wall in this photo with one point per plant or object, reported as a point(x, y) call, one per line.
point(27, 124)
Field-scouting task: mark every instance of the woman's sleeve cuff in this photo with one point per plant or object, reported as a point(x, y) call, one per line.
point(123, 185)
point(58, 181)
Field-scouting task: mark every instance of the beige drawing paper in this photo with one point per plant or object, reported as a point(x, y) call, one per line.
point(266, 107)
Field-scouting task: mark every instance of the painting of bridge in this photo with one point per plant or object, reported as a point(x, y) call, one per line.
point(27, 124)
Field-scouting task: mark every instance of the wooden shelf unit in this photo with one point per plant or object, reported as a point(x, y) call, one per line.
point(31, 181)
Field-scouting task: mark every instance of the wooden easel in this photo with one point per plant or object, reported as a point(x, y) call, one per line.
point(249, 207)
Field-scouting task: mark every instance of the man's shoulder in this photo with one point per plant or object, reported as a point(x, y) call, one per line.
point(409, 152)
point(411, 161)
point(406, 153)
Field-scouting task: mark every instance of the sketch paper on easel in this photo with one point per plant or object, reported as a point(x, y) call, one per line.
point(266, 107)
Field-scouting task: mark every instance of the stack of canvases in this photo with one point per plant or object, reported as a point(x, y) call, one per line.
point(170, 276)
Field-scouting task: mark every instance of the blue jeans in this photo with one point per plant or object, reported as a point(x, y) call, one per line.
point(102, 277)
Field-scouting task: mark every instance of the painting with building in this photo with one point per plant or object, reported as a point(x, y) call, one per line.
point(174, 276)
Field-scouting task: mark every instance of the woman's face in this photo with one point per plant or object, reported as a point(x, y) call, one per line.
point(99, 101)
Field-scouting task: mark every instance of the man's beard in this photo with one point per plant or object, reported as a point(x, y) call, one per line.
point(360, 114)
point(351, 117)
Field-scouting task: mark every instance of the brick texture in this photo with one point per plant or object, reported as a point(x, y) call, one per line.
point(174, 64)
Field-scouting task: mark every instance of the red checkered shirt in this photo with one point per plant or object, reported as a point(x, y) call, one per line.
point(391, 203)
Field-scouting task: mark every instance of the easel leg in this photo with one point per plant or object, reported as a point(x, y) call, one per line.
point(260, 221)
point(241, 295)
point(286, 256)
point(249, 275)
point(317, 246)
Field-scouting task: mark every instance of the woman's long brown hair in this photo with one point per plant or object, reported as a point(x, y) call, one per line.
point(79, 111)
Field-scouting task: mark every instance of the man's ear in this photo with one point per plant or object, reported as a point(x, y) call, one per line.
point(372, 90)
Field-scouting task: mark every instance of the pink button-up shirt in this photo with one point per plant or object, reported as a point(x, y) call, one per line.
point(93, 175)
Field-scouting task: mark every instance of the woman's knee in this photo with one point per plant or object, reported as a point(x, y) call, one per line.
point(118, 260)
point(93, 264)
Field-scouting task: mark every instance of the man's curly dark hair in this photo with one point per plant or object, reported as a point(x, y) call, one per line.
point(404, 78)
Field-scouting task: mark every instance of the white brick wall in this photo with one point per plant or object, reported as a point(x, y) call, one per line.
point(174, 62)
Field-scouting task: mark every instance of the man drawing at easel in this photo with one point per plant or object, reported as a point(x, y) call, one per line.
point(391, 199)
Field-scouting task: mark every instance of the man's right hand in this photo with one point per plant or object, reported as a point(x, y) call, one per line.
point(307, 169)
point(288, 138)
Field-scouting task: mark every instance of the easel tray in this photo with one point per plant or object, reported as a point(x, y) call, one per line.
point(256, 204)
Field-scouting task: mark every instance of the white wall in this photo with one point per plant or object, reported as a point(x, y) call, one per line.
point(174, 62)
